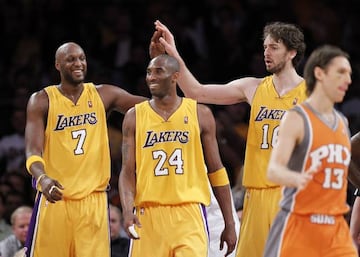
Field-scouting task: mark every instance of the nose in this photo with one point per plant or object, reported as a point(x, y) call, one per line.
point(78, 61)
point(348, 79)
point(266, 52)
point(150, 76)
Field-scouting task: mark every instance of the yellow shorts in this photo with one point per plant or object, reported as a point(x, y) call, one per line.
point(166, 231)
point(70, 228)
point(260, 209)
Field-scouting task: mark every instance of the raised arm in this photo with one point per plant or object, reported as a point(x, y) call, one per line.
point(214, 165)
point(291, 133)
point(127, 180)
point(236, 91)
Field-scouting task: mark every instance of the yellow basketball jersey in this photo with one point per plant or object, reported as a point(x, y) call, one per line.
point(76, 148)
point(170, 167)
point(267, 109)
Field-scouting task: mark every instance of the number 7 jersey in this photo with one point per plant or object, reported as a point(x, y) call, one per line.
point(76, 147)
point(170, 167)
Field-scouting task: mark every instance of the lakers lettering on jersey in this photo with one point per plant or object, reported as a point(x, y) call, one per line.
point(70, 129)
point(167, 171)
point(267, 109)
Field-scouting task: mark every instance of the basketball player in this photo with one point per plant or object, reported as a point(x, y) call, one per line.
point(169, 145)
point(67, 153)
point(311, 160)
point(270, 98)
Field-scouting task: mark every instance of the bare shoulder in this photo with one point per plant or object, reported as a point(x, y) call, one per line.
point(246, 86)
point(292, 117)
point(292, 124)
point(206, 117)
point(129, 121)
point(39, 100)
point(204, 110)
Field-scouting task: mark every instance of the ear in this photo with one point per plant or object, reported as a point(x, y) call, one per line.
point(318, 73)
point(292, 54)
point(57, 66)
point(176, 75)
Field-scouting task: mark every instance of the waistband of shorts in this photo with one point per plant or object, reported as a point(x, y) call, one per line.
point(319, 218)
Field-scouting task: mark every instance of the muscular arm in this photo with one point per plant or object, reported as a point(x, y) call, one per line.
point(35, 129)
point(213, 163)
point(354, 171)
point(36, 116)
point(236, 91)
point(116, 98)
point(127, 180)
point(291, 133)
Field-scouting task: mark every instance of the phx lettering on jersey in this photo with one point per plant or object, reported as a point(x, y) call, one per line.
point(334, 153)
point(153, 138)
point(269, 114)
point(77, 120)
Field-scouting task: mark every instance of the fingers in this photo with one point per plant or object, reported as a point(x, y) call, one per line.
point(21, 253)
point(53, 192)
point(133, 232)
point(57, 184)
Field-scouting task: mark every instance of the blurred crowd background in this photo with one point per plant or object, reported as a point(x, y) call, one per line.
point(220, 40)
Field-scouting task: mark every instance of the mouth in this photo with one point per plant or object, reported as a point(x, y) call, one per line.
point(153, 85)
point(268, 62)
point(78, 72)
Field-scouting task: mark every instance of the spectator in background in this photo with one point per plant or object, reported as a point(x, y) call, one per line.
point(119, 244)
point(12, 146)
point(5, 228)
point(13, 200)
point(20, 220)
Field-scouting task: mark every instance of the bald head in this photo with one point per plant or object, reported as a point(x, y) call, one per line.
point(168, 61)
point(65, 48)
point(68, 58)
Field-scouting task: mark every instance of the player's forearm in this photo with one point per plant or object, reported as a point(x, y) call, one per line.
point(281, 175)
point(223, 196)
point(187, 82)
point(126, 193)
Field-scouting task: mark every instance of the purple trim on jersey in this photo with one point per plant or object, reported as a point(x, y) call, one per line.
point(33, 182)
point(31, 232)
point(205, 220)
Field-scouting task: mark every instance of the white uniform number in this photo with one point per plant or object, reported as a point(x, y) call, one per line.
point(80, 135)
point(164, 161)
point(269, 138)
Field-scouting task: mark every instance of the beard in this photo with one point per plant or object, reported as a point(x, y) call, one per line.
point(276, 68)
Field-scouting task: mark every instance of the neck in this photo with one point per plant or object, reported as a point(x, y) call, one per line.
point(165, 107)
point(286, 80)
point(71, 92)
